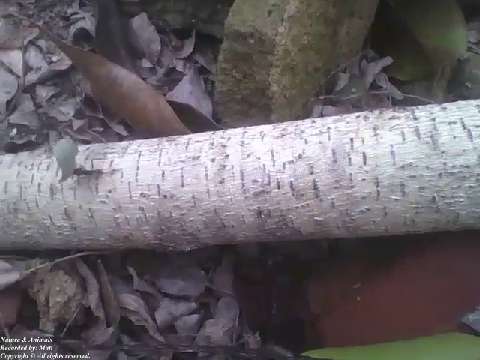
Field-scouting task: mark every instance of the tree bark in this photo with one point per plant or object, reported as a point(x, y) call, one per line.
point(398, 171)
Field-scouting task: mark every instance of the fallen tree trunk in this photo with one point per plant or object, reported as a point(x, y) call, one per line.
point(399, 171)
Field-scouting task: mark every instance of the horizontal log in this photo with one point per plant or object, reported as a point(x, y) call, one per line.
point(398, 171)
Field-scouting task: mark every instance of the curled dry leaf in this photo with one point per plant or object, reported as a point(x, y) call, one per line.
point(188, 325)
point(63, 109)
point(36, 63)
point(110, 301)
point(370, 70)
point(473, 320)
point(25, 113)
point(93, 299)
point(169, 310)
point(9, 38)
point(147, 37)
point(191, 90)
point(192, 118)
point(381, 79)
point(116, 126)
point(181, 280)
point(13, 59)
point(44, 92)
point(214, 332)
point(9, 274)
point(135, 309)
point(35, 58)
point(205, 55)
point(78, 124)
point(221, 330)
point(9, 89)
point(141, 285)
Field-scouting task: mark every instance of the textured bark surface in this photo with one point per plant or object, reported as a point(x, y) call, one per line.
point(385, 172)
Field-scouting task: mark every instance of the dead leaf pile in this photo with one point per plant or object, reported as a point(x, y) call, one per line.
point(119, 73)
point(175, 306)
point(360, 86)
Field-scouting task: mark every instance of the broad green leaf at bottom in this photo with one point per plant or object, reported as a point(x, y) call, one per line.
point(451, 346)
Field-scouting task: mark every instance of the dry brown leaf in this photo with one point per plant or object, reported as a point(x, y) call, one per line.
point(222, 329)
point(135, 309)
point(110, 301)
point(192, 118)
point(126, 94)
point(141, 285)
point(146, 37)
point(170, 310)
point(191, 90)
point(9, 89)
point(59, 296)
point(179, 280)
point(9, 274)
point(123, 93)
point(188, 325)
point(92, 288)
point(10, 37)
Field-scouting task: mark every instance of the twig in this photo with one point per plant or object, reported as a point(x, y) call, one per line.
point(65, 258)
point(67, 325)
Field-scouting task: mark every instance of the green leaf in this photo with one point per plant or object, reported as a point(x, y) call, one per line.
point(425, 38)
point(451, 346)
point(439, 26)
point(391, 37)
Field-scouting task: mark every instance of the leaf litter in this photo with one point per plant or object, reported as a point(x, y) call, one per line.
point(359, 86)
point(142, 46)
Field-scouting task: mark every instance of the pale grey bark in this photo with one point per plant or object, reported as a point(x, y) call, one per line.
point(366, 174)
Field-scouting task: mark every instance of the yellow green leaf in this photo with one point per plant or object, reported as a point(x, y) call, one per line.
point(438, 25)
point(451, 346)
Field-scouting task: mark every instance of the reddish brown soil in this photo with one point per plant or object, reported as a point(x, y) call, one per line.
point(426, 289)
